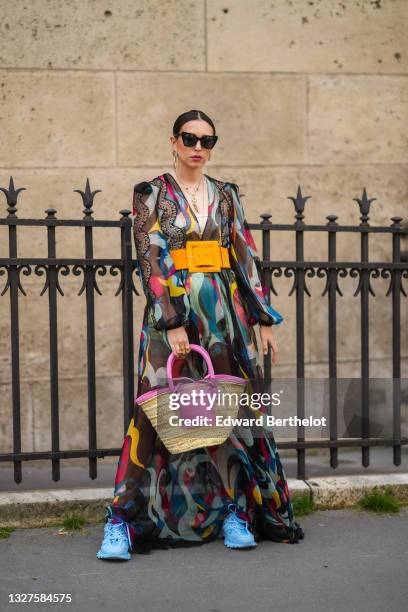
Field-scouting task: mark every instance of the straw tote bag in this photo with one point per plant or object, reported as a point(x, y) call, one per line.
point(192, 422)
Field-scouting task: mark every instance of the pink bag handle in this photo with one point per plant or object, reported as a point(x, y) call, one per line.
point(198, 349)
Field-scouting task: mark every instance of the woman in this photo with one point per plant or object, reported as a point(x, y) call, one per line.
point(238, 489)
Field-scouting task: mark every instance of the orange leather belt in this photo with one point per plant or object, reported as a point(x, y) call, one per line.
point(201, 256)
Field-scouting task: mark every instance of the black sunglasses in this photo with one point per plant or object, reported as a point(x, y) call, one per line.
point(190, 140)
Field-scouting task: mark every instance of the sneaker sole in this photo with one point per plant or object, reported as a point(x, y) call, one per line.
point(124, 557)
point(230, 545)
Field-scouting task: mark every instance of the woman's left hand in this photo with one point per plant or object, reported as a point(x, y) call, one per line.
point(268, 339)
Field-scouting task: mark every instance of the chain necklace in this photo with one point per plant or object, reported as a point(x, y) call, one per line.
point(193, 194)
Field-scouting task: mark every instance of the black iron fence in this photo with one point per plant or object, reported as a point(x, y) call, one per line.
point(395, 270)
point(51, 267)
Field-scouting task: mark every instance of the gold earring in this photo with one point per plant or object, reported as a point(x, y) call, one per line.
point(175, 159)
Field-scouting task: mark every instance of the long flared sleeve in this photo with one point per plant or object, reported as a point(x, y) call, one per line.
point(168, 302)
point(243, 252)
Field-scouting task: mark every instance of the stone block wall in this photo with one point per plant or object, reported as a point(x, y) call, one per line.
point(302, 92)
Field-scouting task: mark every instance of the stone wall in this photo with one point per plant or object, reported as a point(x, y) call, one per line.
point(302, 92)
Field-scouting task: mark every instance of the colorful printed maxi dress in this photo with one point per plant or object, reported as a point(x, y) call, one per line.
point(181, 499)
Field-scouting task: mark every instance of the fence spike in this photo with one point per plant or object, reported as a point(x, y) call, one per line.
point(11, 197)
point(364, 204)
point(87, 199)
point(299, 203)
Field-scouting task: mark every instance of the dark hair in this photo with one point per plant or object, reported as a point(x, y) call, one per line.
point(190, 116)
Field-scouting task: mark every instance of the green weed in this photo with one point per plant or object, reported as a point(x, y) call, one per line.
point(74, 521)
point(302, 505)
point(380, 501)
point(5, 532)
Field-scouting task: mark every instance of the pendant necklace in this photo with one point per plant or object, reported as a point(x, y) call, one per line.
point(193, 195)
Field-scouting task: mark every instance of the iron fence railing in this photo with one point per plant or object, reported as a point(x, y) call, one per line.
point(51, 267)
point(395, 270)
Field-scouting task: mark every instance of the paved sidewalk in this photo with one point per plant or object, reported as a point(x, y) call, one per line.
point(48, 507)
point(349, 560)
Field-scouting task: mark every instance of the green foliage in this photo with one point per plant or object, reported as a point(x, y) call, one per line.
point(5, 532)
point(302, 504)
point(380, 501)
point(74, 521)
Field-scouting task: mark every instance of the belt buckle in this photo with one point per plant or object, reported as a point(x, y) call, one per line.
point(203, 256)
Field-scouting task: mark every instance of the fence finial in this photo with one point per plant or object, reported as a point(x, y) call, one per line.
point(266, 218)
point(299, 203)
point(396, 220)
point(332, 219)
point(11, 196)
point(87, 199)
point(364, 204)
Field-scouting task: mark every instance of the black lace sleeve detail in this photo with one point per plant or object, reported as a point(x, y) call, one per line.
point(169, 305)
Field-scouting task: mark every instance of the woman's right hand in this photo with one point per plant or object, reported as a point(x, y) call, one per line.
point(178, 340)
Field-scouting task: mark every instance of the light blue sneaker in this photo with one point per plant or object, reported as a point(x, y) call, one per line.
point(116, 542)
point(236, 532)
